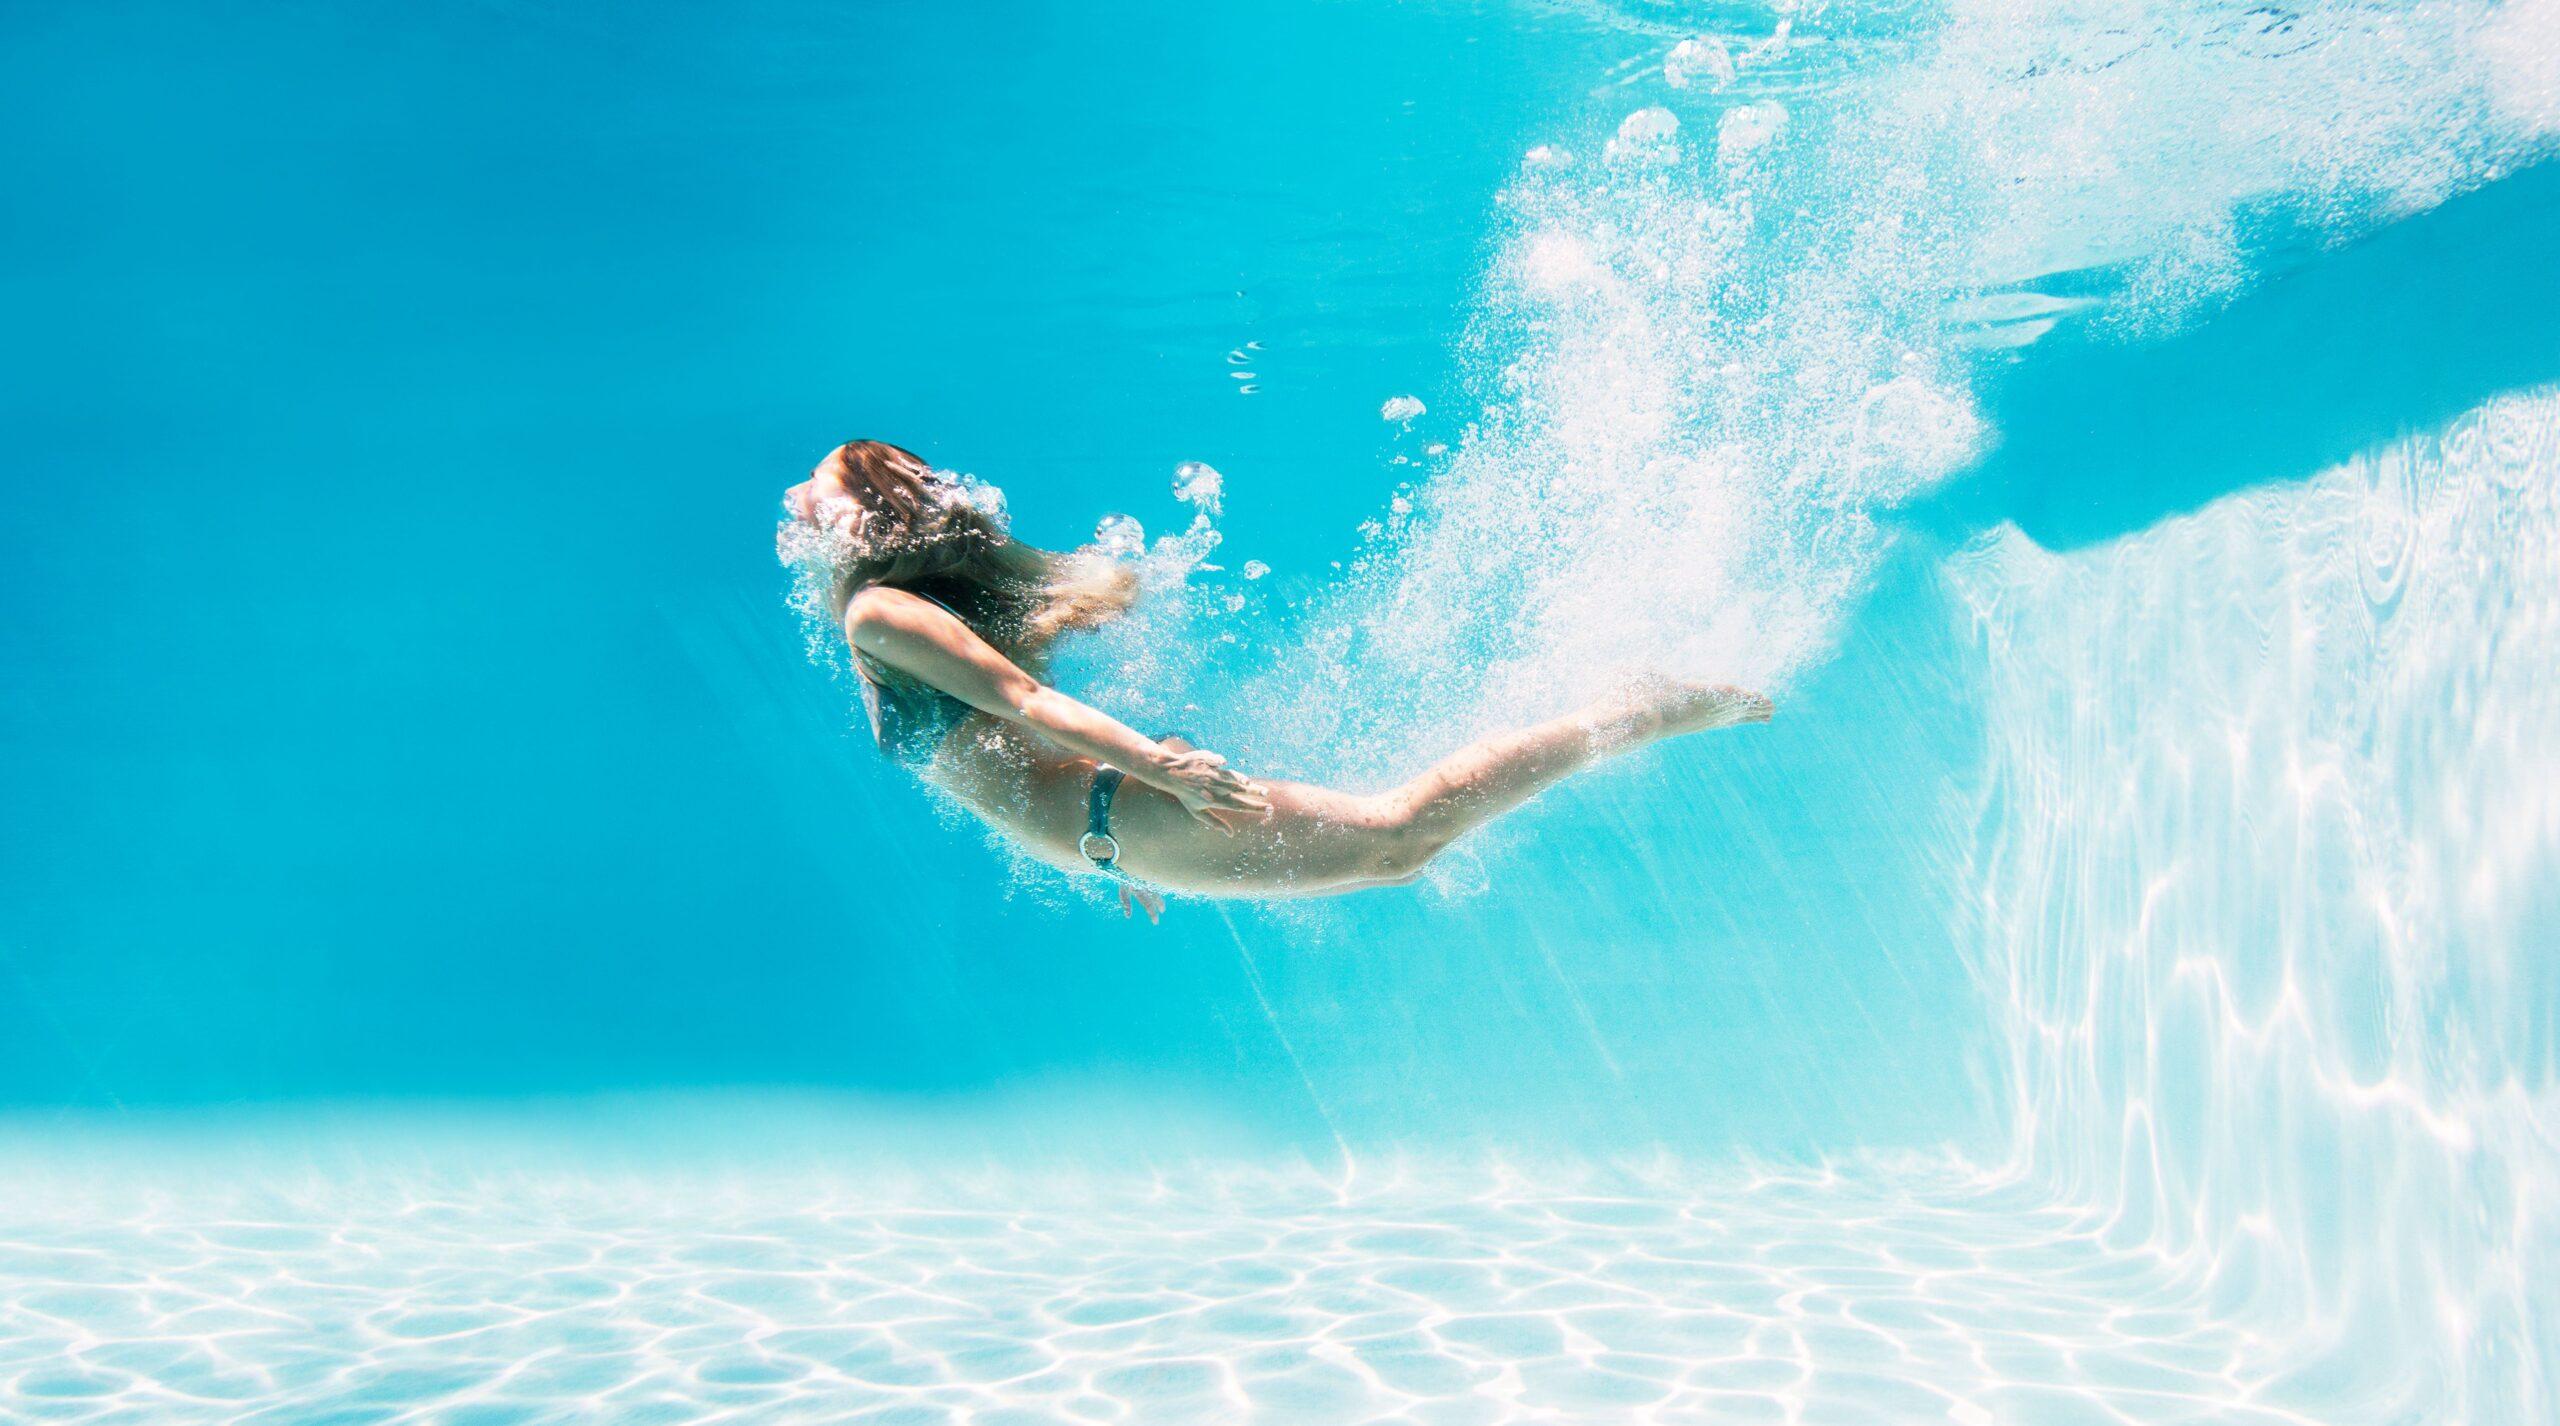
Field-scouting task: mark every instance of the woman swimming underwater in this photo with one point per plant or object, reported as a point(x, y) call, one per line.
point(951, 622)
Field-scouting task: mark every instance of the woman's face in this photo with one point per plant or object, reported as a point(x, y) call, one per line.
point(822, 500)
point(874, 493)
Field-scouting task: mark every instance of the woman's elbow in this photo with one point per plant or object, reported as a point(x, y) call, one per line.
point(1039, 705)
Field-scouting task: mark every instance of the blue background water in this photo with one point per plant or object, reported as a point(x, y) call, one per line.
point(396, 393)
point(400, 707)
point(404, 705)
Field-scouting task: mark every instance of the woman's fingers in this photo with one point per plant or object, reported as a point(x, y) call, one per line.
point(1239, 799)
point(1253, 798)
point(1146, 901)
point(1212, 784)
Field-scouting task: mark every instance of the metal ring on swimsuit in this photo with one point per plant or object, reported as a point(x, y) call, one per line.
point(1097, 845)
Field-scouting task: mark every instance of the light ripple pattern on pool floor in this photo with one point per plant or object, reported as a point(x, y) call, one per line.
point(1922, 1295)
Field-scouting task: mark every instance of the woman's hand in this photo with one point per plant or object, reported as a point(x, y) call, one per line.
point(1212, 791)
point(1143, 899)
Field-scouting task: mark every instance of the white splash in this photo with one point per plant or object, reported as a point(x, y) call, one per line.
point(2520, 44)
point(1910, 434)
point(1707, 380)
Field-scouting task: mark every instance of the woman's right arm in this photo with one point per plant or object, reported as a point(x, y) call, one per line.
point(925, 641)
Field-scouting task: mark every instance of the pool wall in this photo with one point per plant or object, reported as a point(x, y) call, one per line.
point(2264, 881)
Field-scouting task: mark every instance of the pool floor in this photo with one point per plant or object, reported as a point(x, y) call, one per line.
point(1280, 1297)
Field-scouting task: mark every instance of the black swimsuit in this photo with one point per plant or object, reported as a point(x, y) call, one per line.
point(910, 718)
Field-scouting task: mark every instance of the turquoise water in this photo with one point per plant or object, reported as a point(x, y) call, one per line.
point(459, 960)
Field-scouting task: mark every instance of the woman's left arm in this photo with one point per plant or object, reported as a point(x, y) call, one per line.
point(925, 641)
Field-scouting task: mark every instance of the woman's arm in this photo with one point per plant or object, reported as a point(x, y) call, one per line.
point(925, 641)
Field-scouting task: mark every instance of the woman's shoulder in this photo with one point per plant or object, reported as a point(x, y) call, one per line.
point(884, 606)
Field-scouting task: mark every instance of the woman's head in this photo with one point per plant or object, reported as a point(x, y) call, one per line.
point(873, 513)
point(881, 510)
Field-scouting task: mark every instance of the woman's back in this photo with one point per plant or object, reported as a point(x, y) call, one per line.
point(910, 719)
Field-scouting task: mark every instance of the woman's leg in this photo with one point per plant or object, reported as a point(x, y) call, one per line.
point(1491, 776)
point(1318, 840)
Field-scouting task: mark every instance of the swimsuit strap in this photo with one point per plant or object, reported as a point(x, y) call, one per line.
point(1097, 845)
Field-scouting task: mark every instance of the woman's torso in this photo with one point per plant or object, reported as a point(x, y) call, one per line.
point(1035, 793)
point(1009, 776)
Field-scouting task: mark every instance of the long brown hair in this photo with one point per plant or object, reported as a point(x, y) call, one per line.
point(913, 528)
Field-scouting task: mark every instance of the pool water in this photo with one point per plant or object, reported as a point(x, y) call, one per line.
point(460, 962)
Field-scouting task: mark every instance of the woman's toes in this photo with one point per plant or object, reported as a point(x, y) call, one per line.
point(1695, 708)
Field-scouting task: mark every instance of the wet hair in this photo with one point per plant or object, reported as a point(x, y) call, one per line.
point(915, 528)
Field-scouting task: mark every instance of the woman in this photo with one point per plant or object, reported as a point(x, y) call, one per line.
point(951, 623)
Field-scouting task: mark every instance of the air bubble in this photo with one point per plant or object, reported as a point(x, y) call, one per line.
point(1197, 483)
point(1646, 136)
point(1747, 130)
point(1120, 536)
point(1695, 61)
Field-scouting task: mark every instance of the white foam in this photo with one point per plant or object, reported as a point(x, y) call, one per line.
point(1912, 434)
point(2520, 44)
point(1557, 263)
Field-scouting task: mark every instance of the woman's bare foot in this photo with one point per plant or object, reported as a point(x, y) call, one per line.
point(1659, 707)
